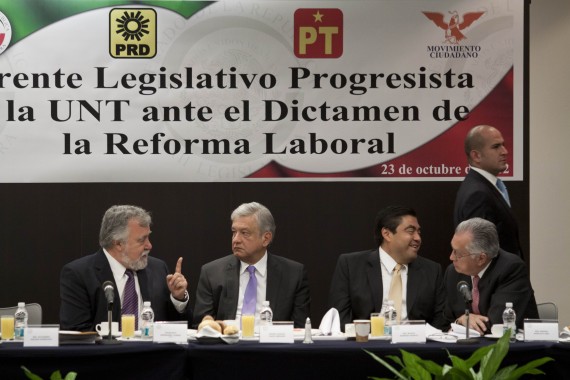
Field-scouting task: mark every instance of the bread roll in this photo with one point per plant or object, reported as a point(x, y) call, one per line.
point(230, 330)
point(222, 324)
point(211, 323)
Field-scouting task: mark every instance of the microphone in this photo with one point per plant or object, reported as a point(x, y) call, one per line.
point(109, 290)
point(463, 288)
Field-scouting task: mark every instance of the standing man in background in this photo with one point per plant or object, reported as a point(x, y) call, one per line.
point(224, 286)
point(482, 194)
point(124, 260)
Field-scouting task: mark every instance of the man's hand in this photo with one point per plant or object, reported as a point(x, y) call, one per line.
point(476, 322)
point(177, 282)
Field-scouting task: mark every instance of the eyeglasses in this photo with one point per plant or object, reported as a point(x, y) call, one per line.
point(454, 254)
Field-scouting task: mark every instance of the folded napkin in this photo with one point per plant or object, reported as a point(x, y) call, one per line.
point(460, 331)
point(330, 324)
point(208, 332)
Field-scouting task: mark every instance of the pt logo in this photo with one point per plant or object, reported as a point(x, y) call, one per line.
point(132, 33)
point(318, 33)
point(454, 27)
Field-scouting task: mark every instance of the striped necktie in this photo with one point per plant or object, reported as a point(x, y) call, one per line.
point(130, 297)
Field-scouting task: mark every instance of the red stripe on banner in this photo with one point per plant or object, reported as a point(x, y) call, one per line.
point(446, 149)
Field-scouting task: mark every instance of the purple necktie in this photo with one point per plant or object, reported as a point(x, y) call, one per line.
point(250, 296)
point(130, 297)
point(475, 304)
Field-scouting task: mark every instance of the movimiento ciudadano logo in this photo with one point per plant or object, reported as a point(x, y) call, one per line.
point(5, 32)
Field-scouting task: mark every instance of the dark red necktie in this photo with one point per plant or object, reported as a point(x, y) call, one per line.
point(475, 304)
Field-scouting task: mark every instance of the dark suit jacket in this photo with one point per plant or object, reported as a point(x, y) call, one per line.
point(356, 289)
point(505, 280)
point(287, 289)
point(83, 303)
point(477, 197)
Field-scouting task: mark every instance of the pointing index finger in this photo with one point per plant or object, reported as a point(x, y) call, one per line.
point(178, 266)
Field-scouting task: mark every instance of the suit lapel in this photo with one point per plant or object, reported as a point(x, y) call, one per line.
point(415, 281)
point(104, 273)
point(485, 286)
point(228, 306)
point(274, 277)
point(145, 283)
point(493, 189)
point(374, 274)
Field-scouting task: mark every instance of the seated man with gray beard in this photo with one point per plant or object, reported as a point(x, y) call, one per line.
point(124, 260)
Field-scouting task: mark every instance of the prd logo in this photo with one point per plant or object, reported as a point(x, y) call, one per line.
point(318, 33)
point(132, 33)
point(5, 32)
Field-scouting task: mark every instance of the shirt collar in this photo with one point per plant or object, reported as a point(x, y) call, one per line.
point(482, 271)
point(117, 268)
point(491, 178)
point(388, 262)
point(260, 266)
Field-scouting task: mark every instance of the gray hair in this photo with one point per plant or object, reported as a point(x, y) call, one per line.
point(260, 212)
point(485, 237)
point(114, 226)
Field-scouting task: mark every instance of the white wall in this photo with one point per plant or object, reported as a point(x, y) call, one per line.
point(550, 152)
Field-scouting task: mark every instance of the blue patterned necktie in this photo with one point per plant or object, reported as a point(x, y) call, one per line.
point(250, 296)
point(130, 297)
point(501, 186)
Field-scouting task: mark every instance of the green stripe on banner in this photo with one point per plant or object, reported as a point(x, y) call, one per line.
point(28, 16)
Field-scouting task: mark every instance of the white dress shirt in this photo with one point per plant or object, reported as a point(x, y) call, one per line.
point(261, 276)
point(121, 278)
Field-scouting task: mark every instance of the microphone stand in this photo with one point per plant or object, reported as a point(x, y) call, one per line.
point(467, 339)
point(109, 338)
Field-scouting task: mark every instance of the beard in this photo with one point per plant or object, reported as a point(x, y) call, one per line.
point(136, 265)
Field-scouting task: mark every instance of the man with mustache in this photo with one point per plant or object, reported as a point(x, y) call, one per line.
point(479, 194)
point(362, 281)
point(223, 285)
point(124, 260)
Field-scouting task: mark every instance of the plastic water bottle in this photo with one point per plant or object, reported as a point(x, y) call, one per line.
point(509, 321)
point(147, 321)
point(390, 316)
point(20, 321)
point(266, 314)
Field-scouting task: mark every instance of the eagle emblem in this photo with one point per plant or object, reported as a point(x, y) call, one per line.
point(454, 27)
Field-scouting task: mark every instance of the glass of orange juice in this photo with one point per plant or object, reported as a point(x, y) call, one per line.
point(7, 327)
point(376, 324)
point(247, 326)
point(128, 325)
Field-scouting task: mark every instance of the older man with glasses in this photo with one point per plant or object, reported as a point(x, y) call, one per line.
point(495, 277)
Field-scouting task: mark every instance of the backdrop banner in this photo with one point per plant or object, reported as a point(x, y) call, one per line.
point(188, 91)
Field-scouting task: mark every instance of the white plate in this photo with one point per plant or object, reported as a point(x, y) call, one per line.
point(250, 339)
point(329, 337)
point(383, 337)
point(491, 336)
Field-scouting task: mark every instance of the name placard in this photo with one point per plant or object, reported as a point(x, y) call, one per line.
point(410, 332)
point(276, 334)
point(41, 336)
point(170, 332)
point(540, 330)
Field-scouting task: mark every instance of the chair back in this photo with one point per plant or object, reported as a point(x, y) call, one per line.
point(547, 310)
point(34, 312)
